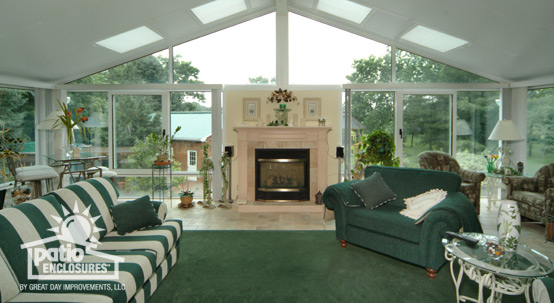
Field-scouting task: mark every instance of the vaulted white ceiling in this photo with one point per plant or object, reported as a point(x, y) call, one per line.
point(54, 41)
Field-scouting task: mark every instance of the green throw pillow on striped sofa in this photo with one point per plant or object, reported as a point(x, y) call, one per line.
point(134, 215)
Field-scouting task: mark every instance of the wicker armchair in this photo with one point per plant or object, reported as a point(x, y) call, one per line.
point(534, 195)
point(471, 180)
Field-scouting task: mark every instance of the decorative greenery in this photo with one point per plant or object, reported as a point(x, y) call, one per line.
point(206, 172)
point(10, 149)
point(375, 148)
point(277, 123)
point(225, 162)
point(280, 95)
point(71, 120)
point(186, 193)
point(506, 171)
point(164, 141)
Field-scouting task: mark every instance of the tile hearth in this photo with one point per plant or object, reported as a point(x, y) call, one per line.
point(198, 218)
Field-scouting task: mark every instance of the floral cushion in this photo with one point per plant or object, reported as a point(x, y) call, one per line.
point(530, 204)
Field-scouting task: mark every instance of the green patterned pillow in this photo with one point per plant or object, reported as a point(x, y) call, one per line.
point(373, 191)
point(134, 215)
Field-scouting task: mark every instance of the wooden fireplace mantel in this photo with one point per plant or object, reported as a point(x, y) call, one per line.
point(251, 138)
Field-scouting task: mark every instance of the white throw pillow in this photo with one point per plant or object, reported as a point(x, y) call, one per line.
point(417, 206)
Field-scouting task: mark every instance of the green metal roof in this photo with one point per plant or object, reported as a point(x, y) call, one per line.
point(195, 126)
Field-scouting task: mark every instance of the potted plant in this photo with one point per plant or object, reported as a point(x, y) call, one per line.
point(186, 198)
point(162, 143)
point(375, 148)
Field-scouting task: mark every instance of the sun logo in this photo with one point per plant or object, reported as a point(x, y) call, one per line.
point(78, 228)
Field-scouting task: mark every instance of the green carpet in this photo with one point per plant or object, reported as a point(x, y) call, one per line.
point(296, 266)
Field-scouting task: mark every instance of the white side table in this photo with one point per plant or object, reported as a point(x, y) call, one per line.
point(494, 184)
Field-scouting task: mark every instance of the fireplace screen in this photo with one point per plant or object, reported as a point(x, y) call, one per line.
point(282, 175)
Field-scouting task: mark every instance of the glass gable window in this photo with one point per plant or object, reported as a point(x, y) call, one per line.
point(540, 129)
point(242, 54)
point(411, 68)
point(150, 69)
point(322, 54)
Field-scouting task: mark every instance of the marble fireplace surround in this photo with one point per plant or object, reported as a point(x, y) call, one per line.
point(251, 138)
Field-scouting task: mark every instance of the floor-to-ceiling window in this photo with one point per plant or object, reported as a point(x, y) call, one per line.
point(192, 111)
point(94, 142)
point(17, 122)
point(425, 121)
point(540, 129)
point(425, 125)
point(477, 114)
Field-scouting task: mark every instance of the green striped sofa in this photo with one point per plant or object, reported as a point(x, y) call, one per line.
point(385, 230)
point(116, 268)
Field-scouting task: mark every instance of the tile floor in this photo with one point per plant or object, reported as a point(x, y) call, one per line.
point(199, 218)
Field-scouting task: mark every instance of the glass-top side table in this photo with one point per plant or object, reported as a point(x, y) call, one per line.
point(510, 274)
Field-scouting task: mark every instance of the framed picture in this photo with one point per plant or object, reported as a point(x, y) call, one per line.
point(312, 108)
point(250, 109)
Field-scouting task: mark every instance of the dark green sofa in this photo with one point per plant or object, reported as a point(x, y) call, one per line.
point(385, 230)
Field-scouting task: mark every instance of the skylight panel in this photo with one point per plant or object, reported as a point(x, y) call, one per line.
point(433, 39)
point(218, 9)
point(130, 40)
point(344, 9)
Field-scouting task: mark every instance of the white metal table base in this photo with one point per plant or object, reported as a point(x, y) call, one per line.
point(499, 285)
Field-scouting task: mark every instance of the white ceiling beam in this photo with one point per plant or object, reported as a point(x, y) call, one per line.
point(20, 82)
point(282, 44)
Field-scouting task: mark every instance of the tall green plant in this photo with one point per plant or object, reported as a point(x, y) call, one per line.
point(225, 162)
point(206, 171)
point(376, 148)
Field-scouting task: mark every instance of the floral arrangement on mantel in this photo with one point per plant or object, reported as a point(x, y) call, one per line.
point(279, 95)
point(69, 120)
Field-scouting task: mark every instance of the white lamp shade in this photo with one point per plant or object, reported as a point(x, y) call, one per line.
point(505, 130)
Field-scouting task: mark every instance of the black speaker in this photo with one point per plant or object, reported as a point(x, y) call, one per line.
point(340, 151)
point(229, 151)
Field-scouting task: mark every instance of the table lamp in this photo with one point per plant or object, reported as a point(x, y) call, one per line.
point(505, 131)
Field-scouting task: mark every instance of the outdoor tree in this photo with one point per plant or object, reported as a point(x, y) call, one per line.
point(18, 112)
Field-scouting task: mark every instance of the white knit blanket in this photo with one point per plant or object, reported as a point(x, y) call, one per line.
point(418, 205)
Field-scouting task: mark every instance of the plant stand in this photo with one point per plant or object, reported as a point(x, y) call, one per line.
point(160, 173)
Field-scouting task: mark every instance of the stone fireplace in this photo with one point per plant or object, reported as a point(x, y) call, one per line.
point(313, 140)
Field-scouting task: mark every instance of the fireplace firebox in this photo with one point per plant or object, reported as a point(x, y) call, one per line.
point(282, 175)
